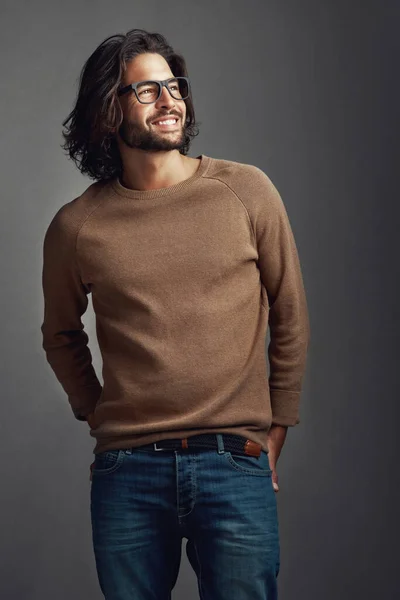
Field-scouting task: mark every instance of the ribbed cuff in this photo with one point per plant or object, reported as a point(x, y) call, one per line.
point(285, 407)
point(86, 402)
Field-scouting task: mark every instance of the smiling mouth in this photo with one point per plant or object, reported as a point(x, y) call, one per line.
point(170, 123)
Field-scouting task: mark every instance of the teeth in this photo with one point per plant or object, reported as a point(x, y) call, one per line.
point(169, 122)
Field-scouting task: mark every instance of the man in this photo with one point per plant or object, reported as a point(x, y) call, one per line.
point(188, 261)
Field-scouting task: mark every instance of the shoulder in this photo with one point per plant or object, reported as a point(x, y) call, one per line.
point(70, 217)
point(251, 184)
point(236, 173)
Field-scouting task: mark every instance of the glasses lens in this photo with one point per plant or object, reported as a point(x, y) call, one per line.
point(179, 88)
point(148, 92)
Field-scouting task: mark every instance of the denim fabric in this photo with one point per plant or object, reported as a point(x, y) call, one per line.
point(144, 502)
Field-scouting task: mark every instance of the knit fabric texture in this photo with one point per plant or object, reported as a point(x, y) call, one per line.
point(185, 281)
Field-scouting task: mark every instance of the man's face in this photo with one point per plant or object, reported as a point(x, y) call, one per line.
point(139, 128)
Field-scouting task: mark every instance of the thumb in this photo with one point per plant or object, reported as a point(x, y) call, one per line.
point(275, 481)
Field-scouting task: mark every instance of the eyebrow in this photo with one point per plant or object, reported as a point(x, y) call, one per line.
point(153, 79)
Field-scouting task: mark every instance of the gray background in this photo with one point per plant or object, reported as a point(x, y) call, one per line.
point(309, 92)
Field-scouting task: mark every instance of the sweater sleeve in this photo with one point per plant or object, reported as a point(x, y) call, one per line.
point(281, 276)
point(65, 300)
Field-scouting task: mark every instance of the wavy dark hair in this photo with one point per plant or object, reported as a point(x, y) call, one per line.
point(90, 128)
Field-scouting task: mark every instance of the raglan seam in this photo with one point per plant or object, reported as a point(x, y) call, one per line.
point(241, 202)
point(78, 232)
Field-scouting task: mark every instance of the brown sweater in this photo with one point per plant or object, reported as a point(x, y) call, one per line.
point(184, 282)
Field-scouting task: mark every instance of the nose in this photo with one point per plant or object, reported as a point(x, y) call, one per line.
point(165, 100)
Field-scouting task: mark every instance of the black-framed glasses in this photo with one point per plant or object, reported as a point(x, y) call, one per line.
point(148, 92)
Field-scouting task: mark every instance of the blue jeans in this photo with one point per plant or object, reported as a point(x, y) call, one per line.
point(144, 502)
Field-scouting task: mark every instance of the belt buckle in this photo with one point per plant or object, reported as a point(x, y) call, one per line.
point(157, 449)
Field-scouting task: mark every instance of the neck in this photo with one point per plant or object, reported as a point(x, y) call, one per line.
point(149, 170)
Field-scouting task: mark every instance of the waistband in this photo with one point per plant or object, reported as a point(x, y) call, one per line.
point(219, 441)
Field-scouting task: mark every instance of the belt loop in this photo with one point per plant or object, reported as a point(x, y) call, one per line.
point(220, 441)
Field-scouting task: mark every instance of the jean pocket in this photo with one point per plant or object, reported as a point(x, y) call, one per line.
point(250, 465)
point(107, 462)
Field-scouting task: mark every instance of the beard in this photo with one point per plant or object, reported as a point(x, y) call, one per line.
point(136, 136)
